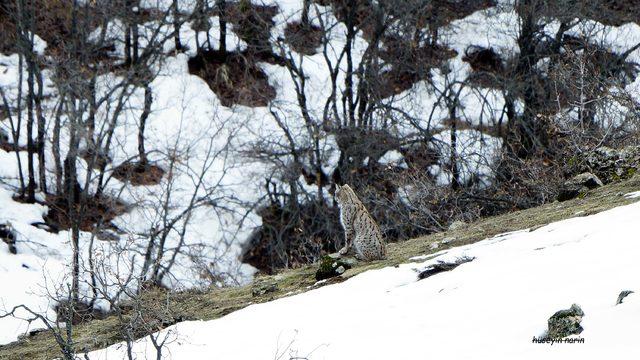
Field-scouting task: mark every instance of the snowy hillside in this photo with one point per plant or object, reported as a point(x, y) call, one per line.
point(231, 149)
point(491, 307)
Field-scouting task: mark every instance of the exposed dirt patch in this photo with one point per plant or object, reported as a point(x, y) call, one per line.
point(431, 14)
point(443, 12)
point(359, 15)
point(53, 22)
point(98, 210)
point(409, 64)
point(407, 56)
point(137, 173)
point(483, 59)
point(234, 77)
point(82, 313)
point(607, 12)
point(488, 68)
point(303, 38)
point(252, 23)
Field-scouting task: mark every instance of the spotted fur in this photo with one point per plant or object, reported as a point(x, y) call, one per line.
point(362, 234)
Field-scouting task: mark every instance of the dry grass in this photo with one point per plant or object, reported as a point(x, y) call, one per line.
point(219, 302)
point(235, 77)
point(137, 173)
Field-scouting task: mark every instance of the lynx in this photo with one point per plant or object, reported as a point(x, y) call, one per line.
point(361, 231)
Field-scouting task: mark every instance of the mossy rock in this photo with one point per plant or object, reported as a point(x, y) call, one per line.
point(610, 165)
point(332, 266)
point(262, 288)
point(578, 186)
point(565, 322)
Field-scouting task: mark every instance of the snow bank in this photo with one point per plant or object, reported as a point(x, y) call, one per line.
point(491, 307)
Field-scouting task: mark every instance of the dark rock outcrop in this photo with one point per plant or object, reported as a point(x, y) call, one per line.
point(578, 186)
point(333, 265)
point(442, 267)
point(565, 322)
point(608, 164)
point(8, 236)
point(623, 294)
point(261, 288)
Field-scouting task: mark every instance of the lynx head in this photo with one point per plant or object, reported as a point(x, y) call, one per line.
point(344, 194)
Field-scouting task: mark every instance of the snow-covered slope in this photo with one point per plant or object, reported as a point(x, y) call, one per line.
point(188, 117)
point(491, 307)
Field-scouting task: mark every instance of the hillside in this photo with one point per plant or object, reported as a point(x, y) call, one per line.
point(599, 231)
point(164, 161)
point(490, 307)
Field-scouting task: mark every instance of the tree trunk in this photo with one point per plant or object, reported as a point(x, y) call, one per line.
point(31, 148)
point(176, 25)
point(42, 176)
point(148, 100)
point(222, 21)
point(455, 170)
point(305, 13)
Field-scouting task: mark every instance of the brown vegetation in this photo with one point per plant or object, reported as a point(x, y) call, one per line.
point(137, 173)
point(303, 38)
point(96, 211)
point(234, 77)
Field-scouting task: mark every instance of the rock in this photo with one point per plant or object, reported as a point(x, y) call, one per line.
point(458, 224)
point(623, 295)
point(442, 267)
point(262, 288)
point(332, 266)
point(8, 236)
point(589, 180)
point(565, 322)
point(607, 163)
point(434, 246)
point(578, 185)
point(46, 227)
point(447, 240)
point(4, 140)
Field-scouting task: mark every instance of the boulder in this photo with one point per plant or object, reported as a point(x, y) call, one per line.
point(456, 225)
point(264, 287)
point(623, 295)
point(608, 164)
point(334, 265)
point(578, 186)
point(565, 322)
point(442, 266)
point(8, 236)
point(447, 240)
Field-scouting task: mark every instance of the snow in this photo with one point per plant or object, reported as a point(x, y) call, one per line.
point(632, 195)
point(37, 267)
point(187, 118)
point(491, 307)
point(392, 157)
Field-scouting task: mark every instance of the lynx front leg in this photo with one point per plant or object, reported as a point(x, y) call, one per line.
point(348, 235)
point(348, 232)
